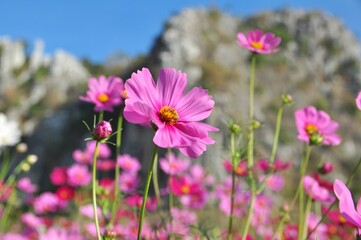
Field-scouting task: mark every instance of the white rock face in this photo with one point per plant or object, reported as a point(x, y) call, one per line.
point(12, 57)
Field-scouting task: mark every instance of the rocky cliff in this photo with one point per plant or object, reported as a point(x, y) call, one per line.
point(319, 64)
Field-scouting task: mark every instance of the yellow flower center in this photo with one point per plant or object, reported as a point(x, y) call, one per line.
point(168, 115)
point(185, 189)
point(103, 97)
point(257, 45)
point(342, 219)
point(311, 129)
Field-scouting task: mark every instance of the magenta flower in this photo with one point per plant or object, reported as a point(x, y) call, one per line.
point(174, 115)
point(102, 131)
point(172, 165)
point(25, 185)
point(58, 176)
point(358, 100)
point(316, 127)
point(315, 191)
point(45, 203)
point(105, 93)
point(78, 175)
point(129, 164)
point(260, 43)
point(346, 204)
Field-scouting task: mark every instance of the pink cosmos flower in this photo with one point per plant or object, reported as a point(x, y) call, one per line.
point(173, 165)
point(45, 203)
point(358, 100)
point(129, 164)
point(315, 191)
point(58, 176)
point(316, 127)
point(88, 211)
point(31, 220)
point(25, 185)
point(275, 182)
point(346, 204)
point(105, 165)
point(174, 115)
point(78, 175)
point(260, 43)
point(128, 182)
point(13, 236)
point(240, 170)
point(104, 92)
point(104, 150)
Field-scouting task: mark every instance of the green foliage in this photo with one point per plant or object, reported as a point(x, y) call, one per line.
point(42, 72)
point(215, 75)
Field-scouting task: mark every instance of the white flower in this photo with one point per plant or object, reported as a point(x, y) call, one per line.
point(9, 131)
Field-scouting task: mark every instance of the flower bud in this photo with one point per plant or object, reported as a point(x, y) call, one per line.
point(21, 148)
point(287, 99)
point(326, 168)
point(25, 167)
point(234, 128)
point(256, 124)
point(102, 131)
point(316, 139)
point(32, 159)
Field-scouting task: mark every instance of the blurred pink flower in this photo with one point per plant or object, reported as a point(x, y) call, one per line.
point(326, 168)
point(82, 157)
point(25, 185)
point(346, 204)
point(31, 220)
point(184, 216)
point(241, 169)
point(316, 127)
point(175, 116)
point(260, 43)
point(105, 93)
point(78, 175)
point(59, 176)
point(358, 100)
point(183, 186)
point(315, 191)
point(173, 165)
point(128, 182)
point(105, 165)
point(129, 164)
point(275, 182)
point(321, 231)
point(278, 165)
point(104, 150)
point(46, 202)
point(88, 211)
point(65, 193)
point(13, 236)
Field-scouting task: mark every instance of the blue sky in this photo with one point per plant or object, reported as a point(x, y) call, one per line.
point(95, 29)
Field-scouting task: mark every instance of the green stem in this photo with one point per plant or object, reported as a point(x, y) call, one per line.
point(7, 211)
point(94, 190)
point(250, 209)
point(304, 163)
point(155, 181)
point(117, 170)
point(307, 212)
point(146, 190)
point(274, 149)
point(324, 215)
point(250, 146)
point(230, 220)
point(276, 137)
point(170, 183)
point(101, 116)
point(251, 114)
point(6, 164)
